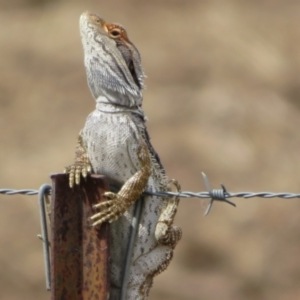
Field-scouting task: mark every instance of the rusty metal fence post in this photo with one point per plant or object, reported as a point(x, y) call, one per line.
point(79, 252)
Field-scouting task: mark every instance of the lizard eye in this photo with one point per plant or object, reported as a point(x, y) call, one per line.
point(115, 32)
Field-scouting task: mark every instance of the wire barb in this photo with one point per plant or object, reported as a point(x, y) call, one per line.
point(215, 195)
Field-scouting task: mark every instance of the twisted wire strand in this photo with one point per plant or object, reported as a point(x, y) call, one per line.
point(21, 192)
point(216, 193)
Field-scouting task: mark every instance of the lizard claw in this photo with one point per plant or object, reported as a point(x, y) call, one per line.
point(176, 184)
point(75, 171)
point(110, 196)
point(81, 165)
point(111, 209)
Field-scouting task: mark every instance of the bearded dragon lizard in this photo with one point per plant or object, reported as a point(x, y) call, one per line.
point(114, 142)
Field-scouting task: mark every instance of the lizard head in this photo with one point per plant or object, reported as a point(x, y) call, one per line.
point(110, 57)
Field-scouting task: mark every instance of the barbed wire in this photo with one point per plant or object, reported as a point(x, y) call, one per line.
point(221, 195)
point(183, 194)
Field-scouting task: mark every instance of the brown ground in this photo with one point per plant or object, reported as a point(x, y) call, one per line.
point(223, 97)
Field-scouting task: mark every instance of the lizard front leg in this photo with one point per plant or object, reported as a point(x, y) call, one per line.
point(117, 204)
point(81, 164)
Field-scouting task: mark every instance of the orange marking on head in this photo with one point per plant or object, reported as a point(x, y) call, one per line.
point(116, 31)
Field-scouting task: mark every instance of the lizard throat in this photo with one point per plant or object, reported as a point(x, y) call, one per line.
point(103, 105)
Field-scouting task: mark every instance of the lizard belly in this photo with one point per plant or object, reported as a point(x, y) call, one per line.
point(112, 141)
point(107, 138)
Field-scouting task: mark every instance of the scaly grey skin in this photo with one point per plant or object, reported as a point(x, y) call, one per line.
point(114, 142)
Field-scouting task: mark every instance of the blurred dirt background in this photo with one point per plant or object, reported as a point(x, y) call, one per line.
point(223, 97)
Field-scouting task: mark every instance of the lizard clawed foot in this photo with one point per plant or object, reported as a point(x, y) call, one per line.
point(81, 165)
point(76, 170)
point(111, 209)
